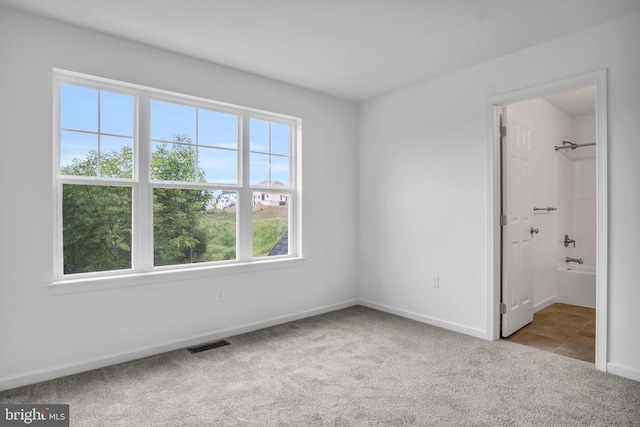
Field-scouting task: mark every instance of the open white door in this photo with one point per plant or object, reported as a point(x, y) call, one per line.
point(517, 220)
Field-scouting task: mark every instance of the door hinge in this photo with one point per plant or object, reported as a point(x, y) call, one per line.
point(503, 220)
point(503, 308)
point(503, 131)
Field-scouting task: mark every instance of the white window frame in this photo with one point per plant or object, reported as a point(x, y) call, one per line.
point(142, 187)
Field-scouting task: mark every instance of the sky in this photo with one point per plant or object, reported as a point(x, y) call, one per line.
point(90, 118)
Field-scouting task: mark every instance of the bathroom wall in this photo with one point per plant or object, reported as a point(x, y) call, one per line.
point(565, 204)
point(577, 215)
point(577, 193)
point(584, 189)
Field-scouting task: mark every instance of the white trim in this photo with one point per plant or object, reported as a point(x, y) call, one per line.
point(544, 303)
point(602, 230)
point(142, 221)
point(597, 78)
point(56, 188)
point(452, 326)
point(33, 377)
point(130, 278)
point(129, 88)
point(245, 198)
point(623, 371)
point(493, 239)
point(296, 197)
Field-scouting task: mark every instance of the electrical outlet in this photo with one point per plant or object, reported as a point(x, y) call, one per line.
point(220, 297)
point(435, 281)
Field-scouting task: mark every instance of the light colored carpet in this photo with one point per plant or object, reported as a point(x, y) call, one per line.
point(355, 367)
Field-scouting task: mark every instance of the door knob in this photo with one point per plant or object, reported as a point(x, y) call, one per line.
point(534, 230)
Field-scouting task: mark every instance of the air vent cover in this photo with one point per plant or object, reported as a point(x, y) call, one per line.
point(208, 346)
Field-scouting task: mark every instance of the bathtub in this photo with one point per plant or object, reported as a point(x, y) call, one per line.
point(576, 284)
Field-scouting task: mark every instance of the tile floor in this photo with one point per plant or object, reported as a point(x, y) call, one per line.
point(564, 329)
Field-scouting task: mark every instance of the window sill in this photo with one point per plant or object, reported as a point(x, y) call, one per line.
point(89, 284)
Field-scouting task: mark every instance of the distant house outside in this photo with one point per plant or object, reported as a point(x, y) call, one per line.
point(226, 199)
point(229, 199)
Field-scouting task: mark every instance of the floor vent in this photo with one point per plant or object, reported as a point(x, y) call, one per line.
point(208, 346)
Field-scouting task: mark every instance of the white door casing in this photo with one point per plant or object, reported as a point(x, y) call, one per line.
point(494, 260)
point(517, 209)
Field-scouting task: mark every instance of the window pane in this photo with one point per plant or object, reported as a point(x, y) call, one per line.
point(116, 113)
point(78, 108)
point(259, 169)
point(173, 122)
point(270, 224)
point(269, 163)
point(78, 153)
point(116, 157)
point(217, 129)
point(218, 166)
point(96, 228)
point(259, 135)
point(279, 171)
point(279, 139)
point(173, 162)
point(192, 226)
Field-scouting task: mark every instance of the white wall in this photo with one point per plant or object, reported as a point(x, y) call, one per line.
point(44, 335)
point(577, 193)
point(427, 144)
point(584, 195)
point(565, 205)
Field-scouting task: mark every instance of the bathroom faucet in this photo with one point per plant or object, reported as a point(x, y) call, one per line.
point(568, 241)
point(578, 260)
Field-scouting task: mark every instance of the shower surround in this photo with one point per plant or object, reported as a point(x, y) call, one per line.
point(576, 284)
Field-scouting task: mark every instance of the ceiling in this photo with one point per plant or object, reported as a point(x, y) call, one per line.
point(577, 102)
point(352, 49)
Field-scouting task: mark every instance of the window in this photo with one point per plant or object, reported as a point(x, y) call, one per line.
point(153, 180)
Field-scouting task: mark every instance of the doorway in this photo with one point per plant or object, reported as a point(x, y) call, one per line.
point(528, 301)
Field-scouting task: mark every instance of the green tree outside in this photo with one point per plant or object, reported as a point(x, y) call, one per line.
point(97, 219)
point(178, 233)
point(96, 228)
point(187, 227)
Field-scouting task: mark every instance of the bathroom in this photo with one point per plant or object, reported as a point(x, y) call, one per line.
point(563, 251)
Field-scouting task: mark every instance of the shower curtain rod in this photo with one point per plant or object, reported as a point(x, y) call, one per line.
point(572, 145)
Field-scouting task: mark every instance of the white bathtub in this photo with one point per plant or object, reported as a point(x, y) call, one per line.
point(576, 284)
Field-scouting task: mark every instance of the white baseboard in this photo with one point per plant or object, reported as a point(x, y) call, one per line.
point(623, 371)
point(544, 303)
point(463, 329)
point(33, 377)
